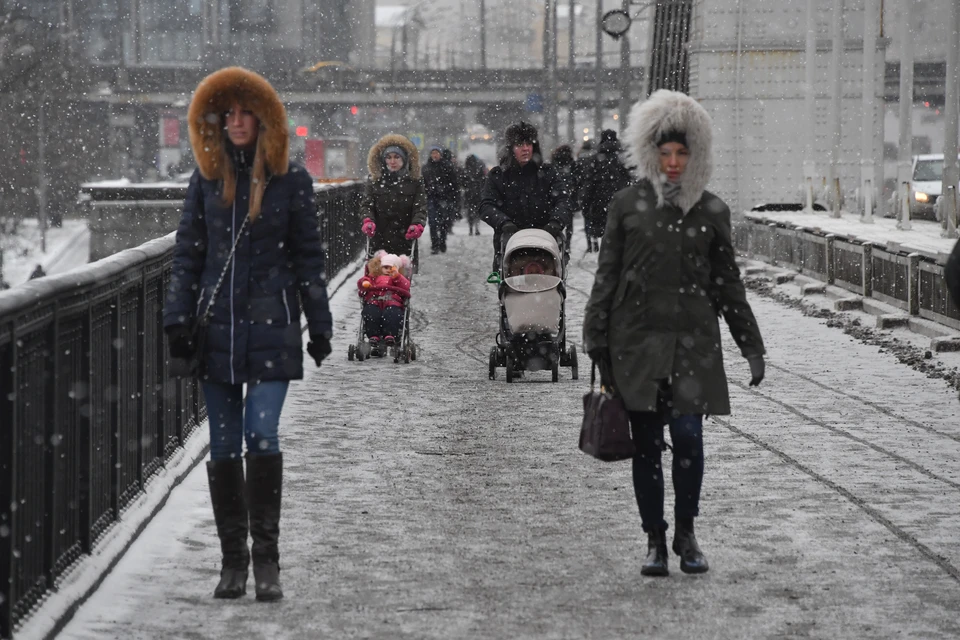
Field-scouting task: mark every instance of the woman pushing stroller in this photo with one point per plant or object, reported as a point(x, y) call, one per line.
point(394, 204)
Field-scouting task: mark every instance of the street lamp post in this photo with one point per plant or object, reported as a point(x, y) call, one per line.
point(571, 67)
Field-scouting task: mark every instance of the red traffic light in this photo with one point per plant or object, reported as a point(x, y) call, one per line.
point(354, 110)
point(302, 132)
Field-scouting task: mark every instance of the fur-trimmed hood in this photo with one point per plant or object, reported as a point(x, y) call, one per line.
point(375, 163)
point(662, 112)
point(214, 96)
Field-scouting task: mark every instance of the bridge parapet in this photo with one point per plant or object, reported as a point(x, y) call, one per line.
point(89, 414)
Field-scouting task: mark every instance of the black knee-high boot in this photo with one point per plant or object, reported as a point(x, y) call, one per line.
point(230, 513)
point(685, 545)
point(264, 490)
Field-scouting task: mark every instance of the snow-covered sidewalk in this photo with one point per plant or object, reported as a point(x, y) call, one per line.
point(924, 236)
point(426, 501)
point(68, 247)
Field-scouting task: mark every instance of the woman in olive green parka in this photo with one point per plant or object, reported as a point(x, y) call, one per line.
point(665, 273)
point(394, 204)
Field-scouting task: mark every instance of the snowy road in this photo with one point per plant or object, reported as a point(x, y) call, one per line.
point(425, 501)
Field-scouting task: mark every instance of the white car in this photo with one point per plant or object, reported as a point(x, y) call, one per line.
point(926, 186)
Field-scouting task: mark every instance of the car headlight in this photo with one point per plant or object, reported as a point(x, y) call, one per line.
point(920, 196)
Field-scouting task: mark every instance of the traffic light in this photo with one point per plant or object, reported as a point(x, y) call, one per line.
point(354, 110)
point(302, 132)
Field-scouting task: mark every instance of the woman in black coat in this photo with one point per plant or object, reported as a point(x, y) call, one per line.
point(246, 199)
point(665, 273)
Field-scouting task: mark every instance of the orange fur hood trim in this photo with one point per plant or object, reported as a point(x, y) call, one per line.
point(213, 97)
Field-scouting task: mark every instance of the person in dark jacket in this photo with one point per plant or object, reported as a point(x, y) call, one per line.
point(456, 212)
point(562, 160)
point(522, 192)
point(603, 176)
point(665, 272)
point(246, 194)
point(474, 173)
point(394, 204)
point(443, 193)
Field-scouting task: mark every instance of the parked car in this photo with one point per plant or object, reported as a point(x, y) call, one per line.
point(926, 185)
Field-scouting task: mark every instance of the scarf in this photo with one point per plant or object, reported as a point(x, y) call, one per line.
point(671, 191)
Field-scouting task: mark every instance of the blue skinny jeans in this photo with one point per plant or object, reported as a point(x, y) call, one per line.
point(686, 437)
point(233, 418)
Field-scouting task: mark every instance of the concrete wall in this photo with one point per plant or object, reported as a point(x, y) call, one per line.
point(758, 105)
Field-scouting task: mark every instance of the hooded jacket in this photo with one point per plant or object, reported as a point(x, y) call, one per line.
point(393, 201)
point(667, 271)
point(531, 195)
point(254, 332)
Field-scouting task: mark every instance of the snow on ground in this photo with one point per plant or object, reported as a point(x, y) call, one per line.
point(924, 236)
point(426, 501)
point(68, 247)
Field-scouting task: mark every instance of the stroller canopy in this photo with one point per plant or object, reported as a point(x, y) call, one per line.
point(537, 239)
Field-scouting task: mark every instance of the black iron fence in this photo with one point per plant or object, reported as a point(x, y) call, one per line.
point(897, 275)
point(87, 412)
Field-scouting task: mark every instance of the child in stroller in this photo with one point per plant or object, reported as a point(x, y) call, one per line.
point(385, 290)
point(532, 334)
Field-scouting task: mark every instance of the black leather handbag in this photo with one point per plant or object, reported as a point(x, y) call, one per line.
point(192, 367)
point(605, 432)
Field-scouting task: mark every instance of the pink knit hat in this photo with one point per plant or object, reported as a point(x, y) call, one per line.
point(390, 260)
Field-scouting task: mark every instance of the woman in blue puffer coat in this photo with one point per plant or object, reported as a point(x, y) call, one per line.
point(246, 192)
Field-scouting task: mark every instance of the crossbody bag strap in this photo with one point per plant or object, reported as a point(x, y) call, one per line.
point(204, 319)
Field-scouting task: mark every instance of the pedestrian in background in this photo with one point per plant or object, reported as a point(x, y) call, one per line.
point(562, 160)
point(474, 173)
point(603, 175)
point(249, 224)
point(394, 203)
point(443, 194)
point(665, 272)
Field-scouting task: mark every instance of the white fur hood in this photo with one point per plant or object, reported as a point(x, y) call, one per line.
point(665, 111)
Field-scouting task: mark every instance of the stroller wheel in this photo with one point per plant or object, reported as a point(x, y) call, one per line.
point(555, 372)
point(493, 363)
point(351, 352)
point(363, 351)
point(413, 352)
point(510, 373)
point(573, 362)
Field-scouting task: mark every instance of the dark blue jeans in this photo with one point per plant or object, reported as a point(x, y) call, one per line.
point(686, 437)
point(379, 323)
point(234, 419)
point(438, 214)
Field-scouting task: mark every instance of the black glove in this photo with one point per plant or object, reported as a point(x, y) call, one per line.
point(181, 341)
point(319, 348)
point(757, 369)
point(508, 228)
point(555, 229)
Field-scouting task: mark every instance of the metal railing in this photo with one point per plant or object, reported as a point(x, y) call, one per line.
point(897, 275)
point(87, 412)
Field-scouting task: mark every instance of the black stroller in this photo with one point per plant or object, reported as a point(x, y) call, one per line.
point(532, 297)
point(403, 349)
